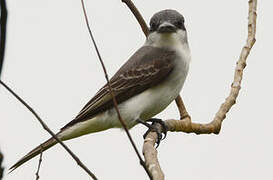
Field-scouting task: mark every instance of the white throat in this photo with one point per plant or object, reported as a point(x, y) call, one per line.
point(174, 41)
point(167, 40)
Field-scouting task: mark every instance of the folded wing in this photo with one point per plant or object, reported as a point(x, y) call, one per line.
point(146, 68)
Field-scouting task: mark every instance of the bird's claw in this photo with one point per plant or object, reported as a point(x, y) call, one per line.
point(153, 128)
point(163, 125)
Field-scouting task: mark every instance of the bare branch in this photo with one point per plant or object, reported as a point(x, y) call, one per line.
point(185, 124)
point(39, 164)
point(112, 93)
point(181, 107)
point(215, 126)
point(1, 168)
point(49, 131)
point(138, 16)
point(3, 22)
point(150, 154)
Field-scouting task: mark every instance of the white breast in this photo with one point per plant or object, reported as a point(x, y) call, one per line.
point(156, 99)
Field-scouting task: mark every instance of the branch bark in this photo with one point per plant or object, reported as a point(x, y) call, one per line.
point(185, 124)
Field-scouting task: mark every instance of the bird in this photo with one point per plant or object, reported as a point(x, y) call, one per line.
point(144, 86)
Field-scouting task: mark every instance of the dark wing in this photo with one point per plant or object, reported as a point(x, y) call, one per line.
point(145, 69)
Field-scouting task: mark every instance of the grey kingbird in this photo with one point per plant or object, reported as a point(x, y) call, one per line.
point(144, 86)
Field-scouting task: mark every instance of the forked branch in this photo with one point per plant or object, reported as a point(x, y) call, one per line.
point(185, 124)
point(215, 125)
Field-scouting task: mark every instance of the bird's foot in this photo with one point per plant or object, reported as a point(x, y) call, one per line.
point(153, 128)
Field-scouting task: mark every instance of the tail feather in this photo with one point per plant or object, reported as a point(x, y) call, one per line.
point(44, 146)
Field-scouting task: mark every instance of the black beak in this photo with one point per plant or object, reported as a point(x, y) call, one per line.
point(166, 28)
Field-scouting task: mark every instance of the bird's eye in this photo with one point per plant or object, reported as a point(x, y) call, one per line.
point(179, 24)
point(153, 27)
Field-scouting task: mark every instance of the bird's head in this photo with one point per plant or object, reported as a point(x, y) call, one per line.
point(167, 21)
point(167, 25)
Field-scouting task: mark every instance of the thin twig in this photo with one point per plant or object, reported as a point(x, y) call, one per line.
point(49, 131)
point(3, 28)
point(181, 107)
point(112, 93)
point(138, 16)
point(39, 164)
point(1, 168)
point(185, 125)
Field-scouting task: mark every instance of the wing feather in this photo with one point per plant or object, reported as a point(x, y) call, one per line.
point(145, 69)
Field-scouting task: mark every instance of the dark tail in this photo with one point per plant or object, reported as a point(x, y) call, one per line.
point(46, 145)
